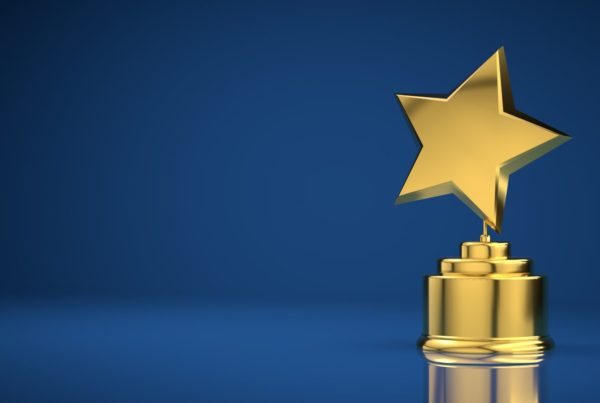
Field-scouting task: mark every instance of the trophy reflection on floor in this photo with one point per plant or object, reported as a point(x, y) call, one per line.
point(469, 379)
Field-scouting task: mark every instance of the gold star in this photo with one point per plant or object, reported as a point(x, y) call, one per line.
point(472, 141)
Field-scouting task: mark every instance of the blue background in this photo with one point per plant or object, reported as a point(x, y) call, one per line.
point(197, 176)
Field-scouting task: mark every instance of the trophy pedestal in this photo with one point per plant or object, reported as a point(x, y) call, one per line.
point(485, 303)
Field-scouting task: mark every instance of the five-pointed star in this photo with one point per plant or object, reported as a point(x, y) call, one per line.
point(472, 141)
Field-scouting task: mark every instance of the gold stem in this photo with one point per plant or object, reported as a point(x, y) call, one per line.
point(485, 237)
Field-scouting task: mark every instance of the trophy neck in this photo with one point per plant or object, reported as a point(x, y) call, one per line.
point(484, 250)
point(479, 259)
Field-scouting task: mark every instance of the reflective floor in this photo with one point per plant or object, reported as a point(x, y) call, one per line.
point(168, 352)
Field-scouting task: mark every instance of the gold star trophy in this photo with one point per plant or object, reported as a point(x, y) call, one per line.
point(484, 302)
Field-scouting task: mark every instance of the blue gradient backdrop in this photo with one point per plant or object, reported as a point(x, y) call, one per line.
point(250, 153)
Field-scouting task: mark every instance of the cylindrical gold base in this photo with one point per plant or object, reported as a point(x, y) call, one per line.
point(511, 350)
point(488, 304)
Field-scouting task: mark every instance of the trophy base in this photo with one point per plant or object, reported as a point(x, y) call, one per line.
point(512, 350)
point(485, 303)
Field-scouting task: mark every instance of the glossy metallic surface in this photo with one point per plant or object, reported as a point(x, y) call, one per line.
point(472, 141)
point(485, 302)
